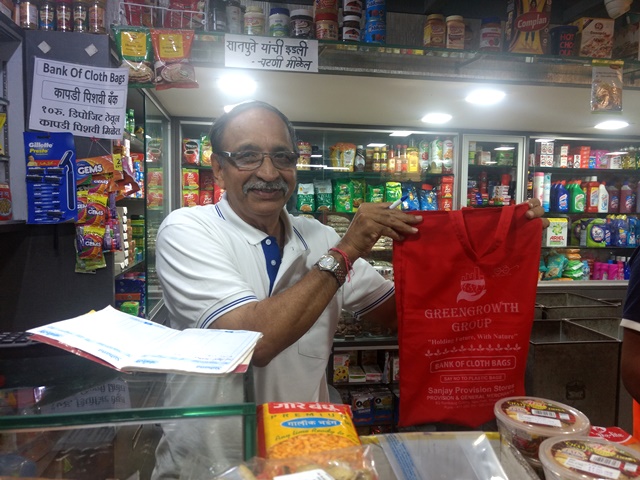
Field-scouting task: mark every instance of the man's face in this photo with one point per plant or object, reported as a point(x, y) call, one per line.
point(257, 196)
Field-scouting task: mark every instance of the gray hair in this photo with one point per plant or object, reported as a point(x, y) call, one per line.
point(220, 124)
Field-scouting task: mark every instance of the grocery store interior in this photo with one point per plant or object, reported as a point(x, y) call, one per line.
point(368, 97)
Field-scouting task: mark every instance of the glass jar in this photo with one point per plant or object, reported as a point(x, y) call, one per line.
point(301, 24)
point(326, 26)
point(29, 15)
point(455, 32)
point(435, 31)
point(47, 15)
point(97, 17)
point(279, 22)
point(351, 28)
point(80, 16)
point(254, 21)
point(491, 35)
point(218, 16)
point(234, 17)
point(64, 16)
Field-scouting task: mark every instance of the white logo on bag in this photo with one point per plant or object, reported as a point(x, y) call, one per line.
point(472, 286)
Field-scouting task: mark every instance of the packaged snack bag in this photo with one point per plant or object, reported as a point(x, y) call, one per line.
point(172, 50)
point(133, 45)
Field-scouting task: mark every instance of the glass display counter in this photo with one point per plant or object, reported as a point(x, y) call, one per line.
point(62, 416)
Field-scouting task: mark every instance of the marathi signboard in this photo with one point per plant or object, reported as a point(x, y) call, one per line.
point(264, 53)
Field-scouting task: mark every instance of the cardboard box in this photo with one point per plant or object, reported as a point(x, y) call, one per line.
point(372, 373)
point(527, 28)
point(356, 374)
point(557, 233)
point(626, 41)
point(595, 37)
point(341, 367)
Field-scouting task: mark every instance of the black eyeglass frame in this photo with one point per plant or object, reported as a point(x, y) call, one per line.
point(291, 157)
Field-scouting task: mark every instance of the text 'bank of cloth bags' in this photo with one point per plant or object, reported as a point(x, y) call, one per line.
point(465, 294)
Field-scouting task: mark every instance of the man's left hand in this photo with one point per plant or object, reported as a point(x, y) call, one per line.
point(536, 211)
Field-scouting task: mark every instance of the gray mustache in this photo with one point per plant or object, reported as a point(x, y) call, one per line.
point(260, 185)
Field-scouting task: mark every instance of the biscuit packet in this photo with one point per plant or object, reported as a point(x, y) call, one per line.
point(133, 45)
point(172, 50)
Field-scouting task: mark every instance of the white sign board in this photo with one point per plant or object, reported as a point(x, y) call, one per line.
point(83, 100)
point(265, 53)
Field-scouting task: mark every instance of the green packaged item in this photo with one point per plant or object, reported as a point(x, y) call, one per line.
point(134, 49)
point(305, 200)
point(359, 187)
point(375, 193)
point(324, 197)
point(342, 196)
point(392, 191)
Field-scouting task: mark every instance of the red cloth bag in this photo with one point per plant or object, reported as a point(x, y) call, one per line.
point(465, 294)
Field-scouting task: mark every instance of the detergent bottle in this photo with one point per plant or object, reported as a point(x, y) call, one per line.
point(614, 198)
point(627, 198)
point(576, 198)
point(561, 198)
point(603, 198)
point(592, 195)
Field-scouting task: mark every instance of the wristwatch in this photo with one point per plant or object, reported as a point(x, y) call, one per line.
point(329, 263)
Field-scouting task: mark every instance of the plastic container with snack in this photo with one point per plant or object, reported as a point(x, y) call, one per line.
point(578, 457)
point(525, 422)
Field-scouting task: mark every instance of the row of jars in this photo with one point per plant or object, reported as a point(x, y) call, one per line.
point(84, 16)
point(449, 32)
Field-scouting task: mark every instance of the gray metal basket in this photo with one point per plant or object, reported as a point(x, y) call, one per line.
point(572, 305)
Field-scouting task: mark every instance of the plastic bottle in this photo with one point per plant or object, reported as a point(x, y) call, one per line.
point(603, 198)
point(546, 192)
point(455, 32)
point(626, 198)
point(301, 24)
point(97, 21)
point(234, 17)
point(576, 198)
point(538, 186)
point(279, 22)
point(562, 198)
point(491, 35)
point(80, 16)
point(254, 21)
point(614, 198)
point(592, 195)
point(435, 31)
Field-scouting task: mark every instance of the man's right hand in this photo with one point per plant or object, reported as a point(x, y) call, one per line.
point(372, 221)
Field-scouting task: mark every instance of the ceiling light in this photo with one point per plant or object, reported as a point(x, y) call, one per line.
point(485, 96)
point(616, 153)
point(505, 147)
point(435, 117)
point(540, 140)
point(612, 125)
point(373, 145)
point(401, 133)
point(237, 84)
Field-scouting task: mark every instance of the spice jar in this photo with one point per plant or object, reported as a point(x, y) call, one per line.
point(80, 16)
point(326, 26)
point(490, 35)
point(97, 17)
point(279, 22)
point(301, 24)
point(435, 31)
point(29, 15)
point(47, 15)
point(455, 32)
point(254, 21)
point(351, 28)
point(64, 16)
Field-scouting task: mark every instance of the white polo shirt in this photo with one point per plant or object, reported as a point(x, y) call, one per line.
point(209, 262)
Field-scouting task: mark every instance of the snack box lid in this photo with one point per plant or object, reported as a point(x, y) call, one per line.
point(577, 457)
point(541, 416)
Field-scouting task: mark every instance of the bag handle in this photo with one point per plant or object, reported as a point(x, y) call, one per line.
point(500, 234)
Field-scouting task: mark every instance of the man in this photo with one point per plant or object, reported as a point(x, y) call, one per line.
point(630, 360)
point(245, 263)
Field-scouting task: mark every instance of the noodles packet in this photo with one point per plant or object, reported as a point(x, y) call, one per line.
point(289, 429)
point(172, 50)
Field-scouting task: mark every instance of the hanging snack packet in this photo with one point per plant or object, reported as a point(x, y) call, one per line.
point(375, 193)
point(324, 196)
point(305, 201)
point(393, 191)
point(172, 49)
point(359, 187)
point(342, 196)
point(133, 45)
point(606, 86)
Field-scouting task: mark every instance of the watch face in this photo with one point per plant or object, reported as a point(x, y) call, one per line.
point(328, 262)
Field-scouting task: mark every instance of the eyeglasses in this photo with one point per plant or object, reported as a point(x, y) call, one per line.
point(250, 160)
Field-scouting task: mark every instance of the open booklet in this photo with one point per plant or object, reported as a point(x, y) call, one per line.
point(128, 343)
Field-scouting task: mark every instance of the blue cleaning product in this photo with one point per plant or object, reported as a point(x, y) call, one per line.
point(562, 198)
